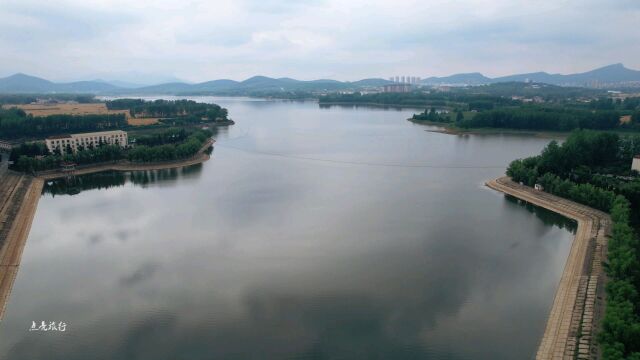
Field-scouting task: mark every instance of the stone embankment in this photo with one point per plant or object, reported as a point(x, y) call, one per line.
point(19, 195)
point(578, 305)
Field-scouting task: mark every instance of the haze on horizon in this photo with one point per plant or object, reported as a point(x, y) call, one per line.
point(162, 40)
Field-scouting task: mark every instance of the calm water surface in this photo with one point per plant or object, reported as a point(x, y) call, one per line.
point(312, 233)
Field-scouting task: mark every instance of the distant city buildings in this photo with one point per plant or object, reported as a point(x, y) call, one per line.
point(412, 80)
point(397, 88)
point(85, 140)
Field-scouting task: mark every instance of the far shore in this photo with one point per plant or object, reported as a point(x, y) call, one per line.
point(125, 165)
point(450, 129)
point(403, 106)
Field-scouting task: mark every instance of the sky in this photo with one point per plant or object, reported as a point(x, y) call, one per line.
point(148, 41)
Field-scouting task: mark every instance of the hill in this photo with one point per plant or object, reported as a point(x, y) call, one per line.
point(615, 75)
point(22, 83)
point(611, 76)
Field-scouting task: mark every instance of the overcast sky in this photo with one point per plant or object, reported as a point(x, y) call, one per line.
point(155, 40)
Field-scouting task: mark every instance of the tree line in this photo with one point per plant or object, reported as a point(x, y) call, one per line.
point(165, 152)
point(170, 109)
point(35, 157)
point(15, 123)
point(432, 115)
point(536, 117)
point(32, 98)
point(588, 168)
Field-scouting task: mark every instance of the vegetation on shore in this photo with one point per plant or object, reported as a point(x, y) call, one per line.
point(603, 114)
point(593, 168)
point(32, 98)
point(16, 123)
point(182, 133)
point(187, 110)
point(172, 144)
point(518, 106)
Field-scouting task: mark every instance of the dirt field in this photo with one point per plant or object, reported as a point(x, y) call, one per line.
point(70, 109)
point(80, 109)
point(141, 121)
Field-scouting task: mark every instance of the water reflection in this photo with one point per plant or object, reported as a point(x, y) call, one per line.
point(547, 217)
point(264, 256)
point(107, 179)
point(369, 107)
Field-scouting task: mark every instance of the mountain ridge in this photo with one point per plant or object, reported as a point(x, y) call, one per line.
point(23, 83)
point(609, 74)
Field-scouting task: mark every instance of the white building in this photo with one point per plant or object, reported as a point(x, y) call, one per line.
point(397, 88)
point(635, 164)
point(85, 140)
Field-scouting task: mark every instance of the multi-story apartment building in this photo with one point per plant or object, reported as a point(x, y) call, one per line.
point(86, 140)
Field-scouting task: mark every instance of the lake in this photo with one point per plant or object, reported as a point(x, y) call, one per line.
point(312, 233)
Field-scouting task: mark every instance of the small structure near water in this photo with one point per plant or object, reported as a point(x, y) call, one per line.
point(635, 164)
point(68, 166)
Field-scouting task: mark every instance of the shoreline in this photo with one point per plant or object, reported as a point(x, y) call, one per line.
point(400, 106)
point(578, 304)
point(200, 157)
point(447, 128)
point(22, 195)
point(16, 239)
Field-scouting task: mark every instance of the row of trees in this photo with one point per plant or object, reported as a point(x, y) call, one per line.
point(169, 109)
point(432, 115)
point(587, 194)
point(106, 153)
point(51, 98)
point(586, 168)
point(620, 335)
point(169, 136)
point(630, 103)
point(534, 117)
point(166, 152)
point(98, 154)
point(420, 99)
point(15, 123)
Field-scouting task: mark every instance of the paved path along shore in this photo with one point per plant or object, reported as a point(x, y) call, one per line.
point(19, 198)
point(19, 195)
point(578, 304)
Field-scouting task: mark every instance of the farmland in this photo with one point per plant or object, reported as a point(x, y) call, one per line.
point(40, 110)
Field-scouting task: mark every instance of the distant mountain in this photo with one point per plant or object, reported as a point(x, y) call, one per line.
point(256, 85)
point(615, 75)
point(168, 88)
point(122, 84)
point(611, 75)
point(21, 83)
point(459, 79)
point(372, 82)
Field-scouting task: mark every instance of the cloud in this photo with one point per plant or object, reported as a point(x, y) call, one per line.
point(201, 40)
